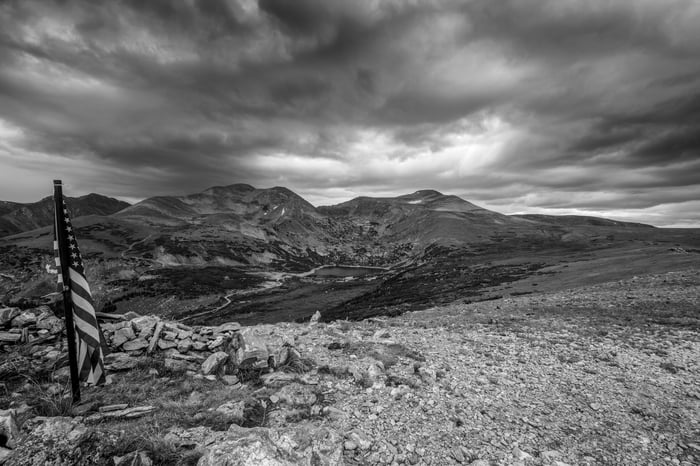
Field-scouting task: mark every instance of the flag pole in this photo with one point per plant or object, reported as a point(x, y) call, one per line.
point(60, 226)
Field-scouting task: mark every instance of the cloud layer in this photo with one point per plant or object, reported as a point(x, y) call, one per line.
point(552, 106)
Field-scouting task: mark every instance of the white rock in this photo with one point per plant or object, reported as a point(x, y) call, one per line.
point(7, 314)
point(215, 343)
point(5, 454)
point(230, 379)
point(144, 324)
point(227, 327)
point(8, 427)
point(253, 351)
point(315, 318)
point(24, 319)
point(214, 362)
point(232, 409)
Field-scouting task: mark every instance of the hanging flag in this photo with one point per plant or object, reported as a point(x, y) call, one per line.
point(77, 298)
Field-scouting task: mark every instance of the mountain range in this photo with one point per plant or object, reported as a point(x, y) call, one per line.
point(242, 225)
point(432, 244)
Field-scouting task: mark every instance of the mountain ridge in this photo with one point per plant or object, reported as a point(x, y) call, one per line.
point(231, 199)
point(16, 217)
point(276, 229)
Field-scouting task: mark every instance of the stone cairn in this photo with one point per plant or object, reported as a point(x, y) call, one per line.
point(200, 351)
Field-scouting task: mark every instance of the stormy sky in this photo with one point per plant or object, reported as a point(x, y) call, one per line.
point(541, 106)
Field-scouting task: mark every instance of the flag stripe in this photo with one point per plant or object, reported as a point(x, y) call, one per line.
point(79, 280)
point(87, 330)
point(84, 321)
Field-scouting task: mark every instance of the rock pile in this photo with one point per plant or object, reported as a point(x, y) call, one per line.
point(209, 350)
point(18, 326)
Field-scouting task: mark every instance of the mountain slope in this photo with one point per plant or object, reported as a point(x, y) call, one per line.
point(580, 220)
point(239, 199)
point(426, 217)
point(236, 224)
point(17, 217)
point(275, 228)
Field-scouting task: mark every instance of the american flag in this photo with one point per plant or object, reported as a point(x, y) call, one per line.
point(87, 331)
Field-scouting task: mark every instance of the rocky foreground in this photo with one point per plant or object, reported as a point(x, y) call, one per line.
point(608, 374)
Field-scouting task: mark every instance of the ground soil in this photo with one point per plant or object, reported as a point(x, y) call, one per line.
point(605, 374)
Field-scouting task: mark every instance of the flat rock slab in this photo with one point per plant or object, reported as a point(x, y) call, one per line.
point(128, 413)
point(9, 337)
point(121, 362)
point(135, 345)
point(117, 407)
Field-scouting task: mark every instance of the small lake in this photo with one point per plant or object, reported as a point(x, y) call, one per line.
point(344, 271)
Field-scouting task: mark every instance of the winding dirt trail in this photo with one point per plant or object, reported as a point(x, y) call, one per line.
point(131, 246)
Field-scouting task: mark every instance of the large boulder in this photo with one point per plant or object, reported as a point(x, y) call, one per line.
point(252, 352)
point(303, 444)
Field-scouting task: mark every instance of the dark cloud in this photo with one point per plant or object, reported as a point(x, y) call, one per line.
point(552, 104)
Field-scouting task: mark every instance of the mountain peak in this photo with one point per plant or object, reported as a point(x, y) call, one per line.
point(236, 187)
point(427, 193)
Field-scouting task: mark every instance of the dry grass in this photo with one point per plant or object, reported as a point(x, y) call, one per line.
point(148, 437)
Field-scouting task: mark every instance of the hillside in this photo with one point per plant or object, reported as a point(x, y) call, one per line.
point(16, 217)
point(580, 220)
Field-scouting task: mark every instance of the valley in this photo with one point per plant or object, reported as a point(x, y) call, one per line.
point(266, 255)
